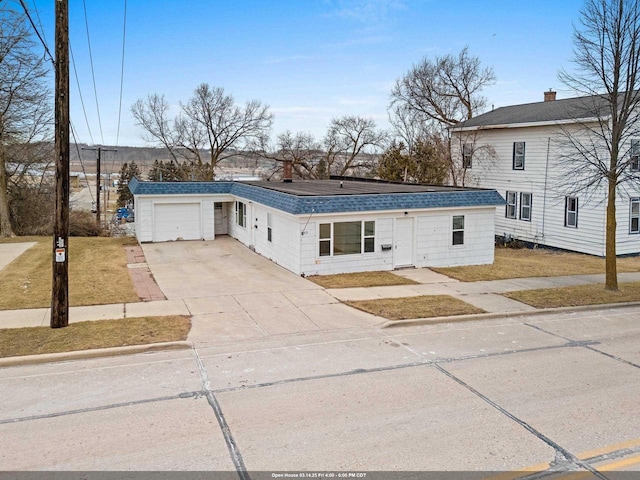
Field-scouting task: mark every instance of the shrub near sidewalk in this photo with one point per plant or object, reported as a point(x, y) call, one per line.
point(98, 274)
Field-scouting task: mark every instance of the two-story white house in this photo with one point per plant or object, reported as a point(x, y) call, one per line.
point(521, 151)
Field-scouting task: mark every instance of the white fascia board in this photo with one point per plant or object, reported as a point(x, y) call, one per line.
point(529, 124)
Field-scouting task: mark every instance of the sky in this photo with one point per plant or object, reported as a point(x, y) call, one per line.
point(309, 60)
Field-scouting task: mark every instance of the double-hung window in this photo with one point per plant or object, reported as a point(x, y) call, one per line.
point(241, 214)
point(510, 211)
point(346, 238)
point(269, 231)
point(525, 206)
point(467, 154)
point(634, 216)
point(571, 212)
point(458, 230)
point(518, 155)
point(634, 163)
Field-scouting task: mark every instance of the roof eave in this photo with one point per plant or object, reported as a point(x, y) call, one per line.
point(567, 121)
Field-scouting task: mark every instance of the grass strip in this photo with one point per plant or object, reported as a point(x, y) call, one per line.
point(577, 296)
point(93, 334)
point(362, 279)
point(425, 306)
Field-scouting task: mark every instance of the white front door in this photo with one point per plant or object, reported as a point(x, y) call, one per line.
point(403, 243)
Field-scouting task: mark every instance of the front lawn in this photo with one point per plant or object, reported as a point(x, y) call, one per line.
point(524, 262)
point(577, 296)
point(98, 273)
point(362, 279)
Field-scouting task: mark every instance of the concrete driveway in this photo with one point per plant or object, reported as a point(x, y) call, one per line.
point(234, 293)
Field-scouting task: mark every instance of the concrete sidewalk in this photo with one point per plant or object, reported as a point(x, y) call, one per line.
point(485, 295)
point(482, 294)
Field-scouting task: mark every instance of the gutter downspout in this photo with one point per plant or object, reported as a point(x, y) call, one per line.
point(546, 175)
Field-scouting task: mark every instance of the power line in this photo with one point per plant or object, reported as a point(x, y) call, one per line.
point(84, 171)
point(95, 90)
point(124, 36)
point(35, 29)
point(75, 71)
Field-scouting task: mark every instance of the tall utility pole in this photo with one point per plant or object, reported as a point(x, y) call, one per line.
point(99, 150)
point(60, 284)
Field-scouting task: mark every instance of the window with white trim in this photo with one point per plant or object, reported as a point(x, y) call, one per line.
point(510, 211)
point(634, 216)
point(241, 214)
point(518, 155)
point(467, 154)
point(269, 231)
point(346, 238)
point(525, 206)
point(571, 212)
point(634, 163)
point(458, 230)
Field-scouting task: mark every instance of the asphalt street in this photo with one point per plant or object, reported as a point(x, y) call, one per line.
point(556, 392)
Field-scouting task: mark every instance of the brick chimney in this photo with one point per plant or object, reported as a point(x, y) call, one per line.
point(287, 171)
point(550, 96)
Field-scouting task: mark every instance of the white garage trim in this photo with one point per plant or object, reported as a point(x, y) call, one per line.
point(177, 221)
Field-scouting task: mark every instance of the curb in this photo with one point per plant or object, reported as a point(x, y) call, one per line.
point(489, 316)
point(94, 353)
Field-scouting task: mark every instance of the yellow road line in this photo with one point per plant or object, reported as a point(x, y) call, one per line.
point(609, 449)
point(625, 462)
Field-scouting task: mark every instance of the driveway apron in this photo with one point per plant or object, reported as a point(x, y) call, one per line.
point(234, 293)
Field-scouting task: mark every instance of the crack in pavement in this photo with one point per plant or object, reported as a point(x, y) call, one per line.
point(234, 451)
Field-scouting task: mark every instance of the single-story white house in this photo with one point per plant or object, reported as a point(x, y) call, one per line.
point(330, 226)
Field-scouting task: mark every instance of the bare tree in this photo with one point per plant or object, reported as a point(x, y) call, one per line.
point(352, 143)
point(152, 115)
point(445, 90)
point(301, 149)
point(25, 109)
point(596, 153)
point(210, 122)
point(437, 94)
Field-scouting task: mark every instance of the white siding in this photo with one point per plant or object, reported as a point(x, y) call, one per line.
point(543, 178)
point(284, 247)
point(295, 245)
point(435, 238)
point(313, 264)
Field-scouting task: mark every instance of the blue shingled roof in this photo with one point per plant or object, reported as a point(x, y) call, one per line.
point(300, 205)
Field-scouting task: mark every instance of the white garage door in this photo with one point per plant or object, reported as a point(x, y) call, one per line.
point(173, 221)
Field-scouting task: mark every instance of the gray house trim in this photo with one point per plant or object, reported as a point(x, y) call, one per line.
point(569, 110)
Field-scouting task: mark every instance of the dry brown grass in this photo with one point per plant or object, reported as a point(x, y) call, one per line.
point(88, 335)
point(425, 306)
point(576, 296)
point(97, 274)
point(519, 263)
point(363, 279)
